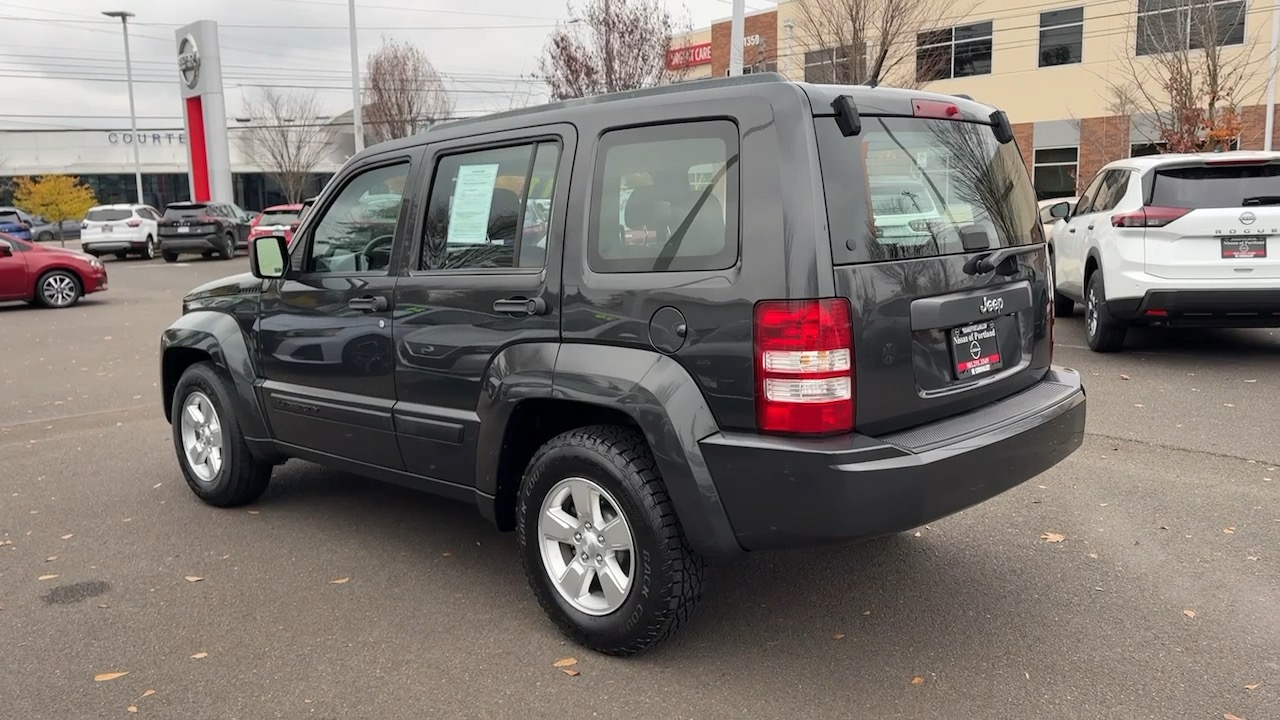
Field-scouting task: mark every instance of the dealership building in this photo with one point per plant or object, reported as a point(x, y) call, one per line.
point(103, 160)
point(1050, 66)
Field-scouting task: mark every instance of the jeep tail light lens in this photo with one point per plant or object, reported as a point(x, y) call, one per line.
point(804, 366)
point(1148, 217)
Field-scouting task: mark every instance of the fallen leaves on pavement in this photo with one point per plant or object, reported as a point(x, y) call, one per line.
point(46, 577)
point(340, 581)
point(917, 680)
point(565, 662)
point(1229, 716)
point(838, 636)
point(132, 708)
point(1189, 613)
point(148, 693)
point(1229, 530)
point(570, 672)
point(104, 677)
point(192, 578)
point(200, 656)
point(1254, 686)
point(1124, 377)
point(68, 536)
point(1053, 537)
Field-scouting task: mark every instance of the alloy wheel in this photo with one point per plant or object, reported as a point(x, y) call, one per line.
point(201, 437)
point(59, 290)
point(1091, 313)
point(587, 546)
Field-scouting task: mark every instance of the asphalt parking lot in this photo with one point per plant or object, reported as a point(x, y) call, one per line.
point(1162, 599)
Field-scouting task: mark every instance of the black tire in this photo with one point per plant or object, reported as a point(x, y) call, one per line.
point(148, 251)
point(45, 296)
point(170, 256)
point(228, 249)
point(45, 237)
point(1103, 332)
point(618, 460)
point(242, 478)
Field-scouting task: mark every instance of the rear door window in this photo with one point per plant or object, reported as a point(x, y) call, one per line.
point(1115, 183)
point(665, 198)
point(916, 187)
point(1216, 187)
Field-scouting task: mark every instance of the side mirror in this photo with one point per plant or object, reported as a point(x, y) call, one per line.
point(1060, 210)
point(269, 257)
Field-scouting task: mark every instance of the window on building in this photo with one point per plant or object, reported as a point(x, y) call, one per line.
point(1061, 36)
point(1054, 172)
point(764, 66)
point(829, 66)
point(960, 51)
point(666, 199)
point(491, 209)
point(1177, 25)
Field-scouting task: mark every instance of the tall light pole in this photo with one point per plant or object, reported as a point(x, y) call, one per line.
point(356, 120)
point(124, 16)
point(736, 28)
point(1271, 81)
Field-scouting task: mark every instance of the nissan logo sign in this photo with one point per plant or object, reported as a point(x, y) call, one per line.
point(1247, 218)
point(189, 62)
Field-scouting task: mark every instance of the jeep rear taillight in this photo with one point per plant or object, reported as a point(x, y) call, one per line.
point(1148, 217)
point(804, 366)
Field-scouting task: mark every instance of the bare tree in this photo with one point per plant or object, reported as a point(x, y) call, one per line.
point(287, 138)
point(404, 93)
point(608, 46)
point(872, 42)
point(1192, 68)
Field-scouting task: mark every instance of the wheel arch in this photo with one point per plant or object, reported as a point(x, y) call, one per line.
point(575, 385)
point(215, 337)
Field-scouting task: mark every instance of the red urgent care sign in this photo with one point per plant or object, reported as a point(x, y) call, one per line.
point(684, 57)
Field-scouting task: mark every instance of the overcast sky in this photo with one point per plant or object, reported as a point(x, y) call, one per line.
point(64, 67)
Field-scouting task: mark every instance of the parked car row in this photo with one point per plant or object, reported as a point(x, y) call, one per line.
point(26, 226)
point(1174, 240)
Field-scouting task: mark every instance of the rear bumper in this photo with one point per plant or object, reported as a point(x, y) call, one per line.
point(190, 243)
point(107, 244)
point(1201, 308)
point(781, 492)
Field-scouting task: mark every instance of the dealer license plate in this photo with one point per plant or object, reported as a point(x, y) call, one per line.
point(184, 229)
point(975, 349)
point(1244, 248)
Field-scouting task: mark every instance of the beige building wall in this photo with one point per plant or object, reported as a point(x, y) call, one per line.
point(1029, 93)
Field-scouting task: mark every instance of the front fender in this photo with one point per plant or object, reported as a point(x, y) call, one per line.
point(665, 402)
point(218, 337)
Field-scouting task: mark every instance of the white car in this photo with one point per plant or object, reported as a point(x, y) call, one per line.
point(1172, 240)
point(120, 230)
point(1048, 219)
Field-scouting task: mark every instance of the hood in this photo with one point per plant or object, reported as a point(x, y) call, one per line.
point(62, 251)
point(224, 293)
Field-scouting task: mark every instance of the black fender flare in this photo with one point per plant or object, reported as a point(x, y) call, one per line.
point(218, 336)
point(654, 390)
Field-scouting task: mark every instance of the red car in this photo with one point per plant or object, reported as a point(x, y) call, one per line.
point(276, 220)
point(48, 276)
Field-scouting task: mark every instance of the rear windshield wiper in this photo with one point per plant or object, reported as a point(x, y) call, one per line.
point(1261, 200)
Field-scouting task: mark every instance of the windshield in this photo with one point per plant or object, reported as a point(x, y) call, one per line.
point(182, 212)
point(1216, 187)
point(108, 215)
point(278, 217)
point(961, 189)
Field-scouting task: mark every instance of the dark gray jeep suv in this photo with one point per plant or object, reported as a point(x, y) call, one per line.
point(650, 328)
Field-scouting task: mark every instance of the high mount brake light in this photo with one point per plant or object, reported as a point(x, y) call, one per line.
point(938, 109)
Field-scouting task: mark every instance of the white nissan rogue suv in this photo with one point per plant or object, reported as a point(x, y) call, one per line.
point(1172, 240)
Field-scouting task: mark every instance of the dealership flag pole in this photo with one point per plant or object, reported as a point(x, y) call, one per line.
point(357, 121)
point(124, 16)
point(735, 37)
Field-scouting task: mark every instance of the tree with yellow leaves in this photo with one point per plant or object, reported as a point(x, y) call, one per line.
point(54, 197)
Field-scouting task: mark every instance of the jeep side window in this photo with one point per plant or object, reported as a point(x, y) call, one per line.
point(665, 198)
point(355, 234)
point(490, 208)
